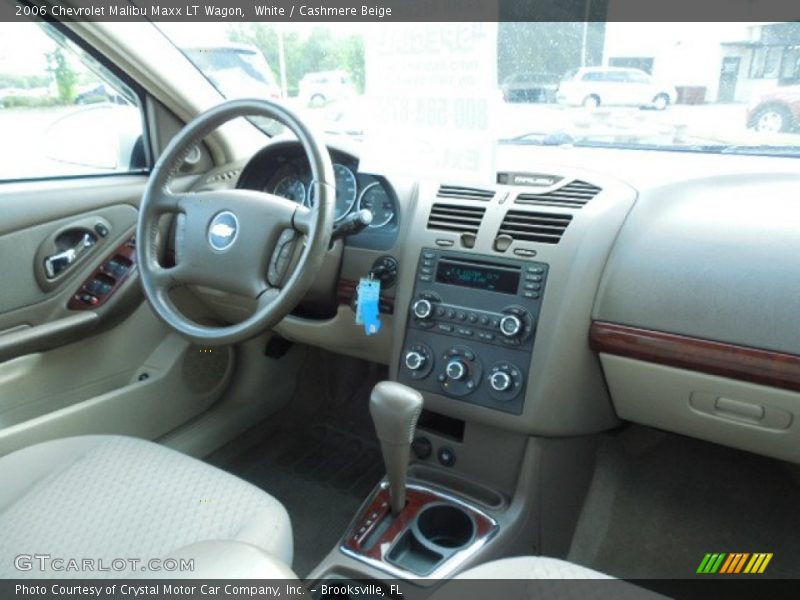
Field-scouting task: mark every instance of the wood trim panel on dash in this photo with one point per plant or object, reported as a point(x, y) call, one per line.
point(765, 367)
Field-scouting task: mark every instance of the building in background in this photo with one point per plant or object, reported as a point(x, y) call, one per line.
point(711, 62)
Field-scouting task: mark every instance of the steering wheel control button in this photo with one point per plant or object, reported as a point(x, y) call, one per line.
point(223, 231)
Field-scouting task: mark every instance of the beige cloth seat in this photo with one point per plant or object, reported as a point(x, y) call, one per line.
point(536, 578)
point(111, 497)
point(531, 567)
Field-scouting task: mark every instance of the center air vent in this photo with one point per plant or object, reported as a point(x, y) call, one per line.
point(455, 192)
point(573, 195)
point(456, 218)
point(524, 226)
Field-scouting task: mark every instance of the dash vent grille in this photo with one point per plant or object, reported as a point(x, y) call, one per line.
point(456, 218)
point(573, 195)
point(455, 192)
point(541, 227)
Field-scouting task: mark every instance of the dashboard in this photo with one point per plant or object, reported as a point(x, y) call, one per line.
point(645, 286)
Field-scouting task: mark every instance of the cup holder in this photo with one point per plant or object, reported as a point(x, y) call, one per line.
point(445, 525)
point(438, 532)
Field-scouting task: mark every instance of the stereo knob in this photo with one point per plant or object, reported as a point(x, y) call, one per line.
point(510, 326)
point(422, 308)
point(500, 381)
point(456, 369)
point(415, 360)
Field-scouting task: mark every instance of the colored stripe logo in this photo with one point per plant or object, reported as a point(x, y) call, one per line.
point(734, 563)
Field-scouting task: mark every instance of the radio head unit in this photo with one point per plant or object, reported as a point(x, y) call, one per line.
point(471, 327)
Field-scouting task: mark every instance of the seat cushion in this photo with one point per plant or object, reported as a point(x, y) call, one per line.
point(107, 497)
point(531, 567)
point(537, 578)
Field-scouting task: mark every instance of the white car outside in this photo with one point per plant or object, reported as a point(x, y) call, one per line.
point(322, 87)
point(611, 86)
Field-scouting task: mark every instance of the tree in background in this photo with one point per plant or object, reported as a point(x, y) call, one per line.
point(65, 77)
point(319, 51)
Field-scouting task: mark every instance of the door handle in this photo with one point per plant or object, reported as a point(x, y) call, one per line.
point(55, 264)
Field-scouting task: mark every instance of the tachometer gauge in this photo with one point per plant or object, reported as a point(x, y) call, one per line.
point(291, 188)
point(376, 200)
point(346, 191)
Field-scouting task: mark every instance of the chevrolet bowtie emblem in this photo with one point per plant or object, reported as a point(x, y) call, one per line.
point(223, 230)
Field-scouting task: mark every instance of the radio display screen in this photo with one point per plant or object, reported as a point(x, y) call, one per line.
point(471, 275)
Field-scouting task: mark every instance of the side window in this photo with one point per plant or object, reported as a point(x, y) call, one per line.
point(61, 112)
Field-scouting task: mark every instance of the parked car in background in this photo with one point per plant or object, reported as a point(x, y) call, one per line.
point(101, 92)
point(237, 70)
point(530, 87)
point(321, 87)
point(610, 86)
point(777, 110)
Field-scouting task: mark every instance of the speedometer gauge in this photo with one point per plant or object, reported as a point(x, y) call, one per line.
point(291, 188)
point(375, 199)
point(346, 191)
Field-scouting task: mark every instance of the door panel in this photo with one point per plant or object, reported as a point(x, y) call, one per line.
point(68, 369)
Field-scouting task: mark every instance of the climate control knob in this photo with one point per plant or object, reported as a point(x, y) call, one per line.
point(422, 308)
point(511, 326)
point(456, 369)
point(500, 381)
point(415, 360)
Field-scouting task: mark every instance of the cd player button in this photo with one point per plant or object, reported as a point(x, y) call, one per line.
point(440, 312)
point(532, 295)
point(451, 313)
point(464, 331)
point(428, 254)
point(462, 316)
point(445, 327)
point(473, 318)
point(484, 320)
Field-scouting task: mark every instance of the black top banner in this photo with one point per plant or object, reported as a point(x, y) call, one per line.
point(402, 10)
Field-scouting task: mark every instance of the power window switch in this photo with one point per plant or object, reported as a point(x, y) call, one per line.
point(88, 299)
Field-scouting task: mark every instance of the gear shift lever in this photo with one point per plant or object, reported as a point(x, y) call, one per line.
point(395, 409)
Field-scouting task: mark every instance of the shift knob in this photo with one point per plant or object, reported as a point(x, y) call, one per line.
point(395, 409)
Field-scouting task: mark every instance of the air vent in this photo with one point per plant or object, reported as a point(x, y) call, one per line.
point(524, 226)
point(456, 218)
point(573, 195)
point(454, 192)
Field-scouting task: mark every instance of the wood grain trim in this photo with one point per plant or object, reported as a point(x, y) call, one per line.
point(765, 367)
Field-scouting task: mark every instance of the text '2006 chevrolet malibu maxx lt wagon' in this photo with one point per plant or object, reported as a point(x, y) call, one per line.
point(415, 336)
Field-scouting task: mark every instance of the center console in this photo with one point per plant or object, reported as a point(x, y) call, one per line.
point(472, 326)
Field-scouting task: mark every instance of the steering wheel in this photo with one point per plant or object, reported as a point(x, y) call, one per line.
point(225, 238)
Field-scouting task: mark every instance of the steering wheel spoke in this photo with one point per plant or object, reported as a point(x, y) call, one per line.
point(302, 219)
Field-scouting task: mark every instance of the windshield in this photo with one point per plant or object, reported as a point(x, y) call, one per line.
point(706, 87)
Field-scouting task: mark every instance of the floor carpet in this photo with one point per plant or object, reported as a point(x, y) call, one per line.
point(659, 502)
point(319, 457)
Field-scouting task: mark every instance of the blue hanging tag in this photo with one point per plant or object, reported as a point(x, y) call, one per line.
point(367, 311)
